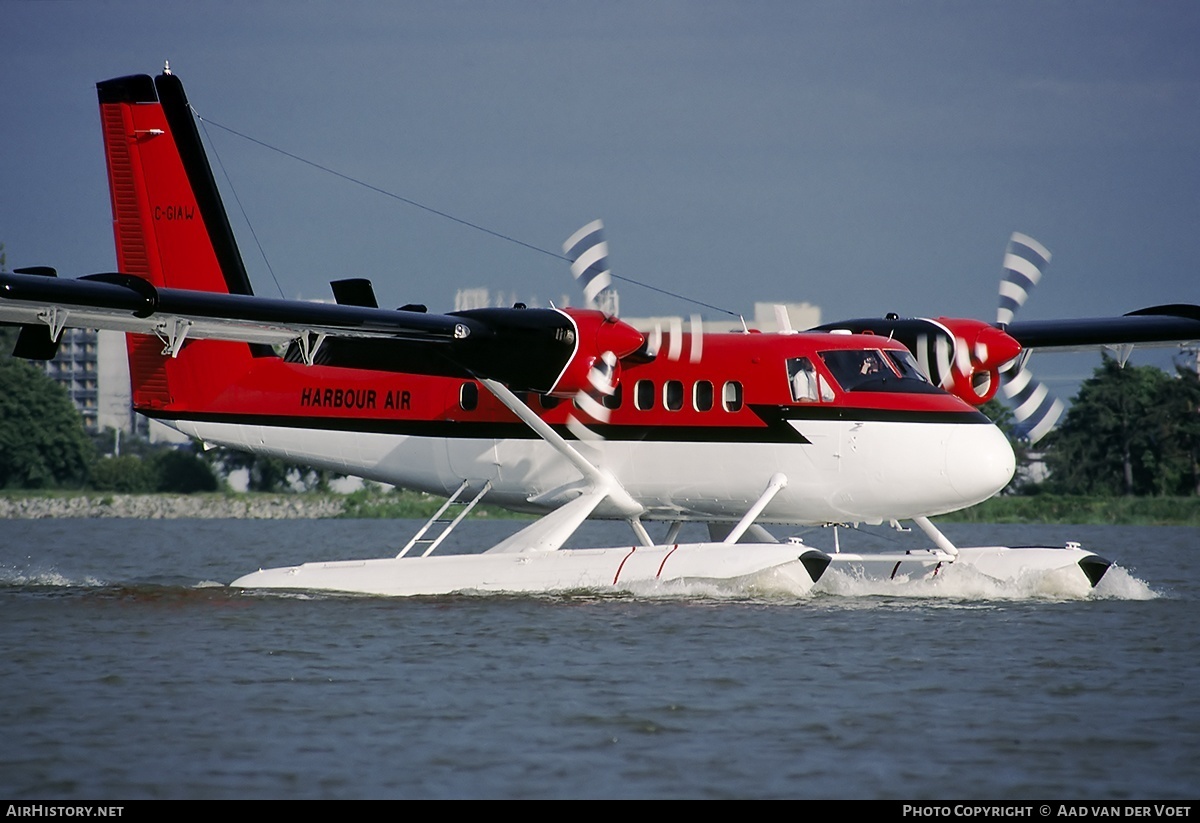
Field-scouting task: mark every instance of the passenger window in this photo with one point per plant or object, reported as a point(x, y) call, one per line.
point(702, 395)
point(468, 396)
point(673, 395)
point(643, 395)
point(731, 396)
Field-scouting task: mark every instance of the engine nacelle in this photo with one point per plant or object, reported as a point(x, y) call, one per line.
point(979, 351)
point(597, 333)
point(549, 351)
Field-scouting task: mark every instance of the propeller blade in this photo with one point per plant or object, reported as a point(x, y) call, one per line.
point(962, 356)
point(654, 342)
point(1036, 410)
point(1024, 261)
point(588, 253)
point(674, 339)
point(697, 339)
point(590, 400)
point(942, 346)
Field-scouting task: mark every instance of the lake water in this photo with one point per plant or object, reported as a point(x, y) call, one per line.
point(129, 671)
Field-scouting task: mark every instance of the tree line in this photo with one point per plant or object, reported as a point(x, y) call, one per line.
point(1130, 431)
point(44, 445)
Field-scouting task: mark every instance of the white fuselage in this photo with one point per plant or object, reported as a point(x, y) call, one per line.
point(849, 471)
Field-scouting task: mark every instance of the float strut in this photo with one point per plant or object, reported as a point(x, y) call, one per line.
point(939, 539)
point(777, 482)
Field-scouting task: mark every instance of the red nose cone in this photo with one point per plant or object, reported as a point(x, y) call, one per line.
point(997, 348)
point(620, 338)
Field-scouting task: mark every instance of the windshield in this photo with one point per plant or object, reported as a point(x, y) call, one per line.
point(871, 370)
point(906, 366)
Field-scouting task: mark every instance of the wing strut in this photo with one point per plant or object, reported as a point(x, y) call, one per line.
point(550, 532)
point(600, 479)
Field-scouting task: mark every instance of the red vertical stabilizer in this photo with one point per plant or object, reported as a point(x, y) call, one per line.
point(170, 229)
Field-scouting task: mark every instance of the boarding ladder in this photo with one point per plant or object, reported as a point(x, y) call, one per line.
point(443, 525)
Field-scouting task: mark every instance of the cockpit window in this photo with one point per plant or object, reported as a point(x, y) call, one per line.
point(806, 384)
point(906, 365)
point(871, 370)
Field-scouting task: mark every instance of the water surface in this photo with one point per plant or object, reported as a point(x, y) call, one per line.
point(131, 671)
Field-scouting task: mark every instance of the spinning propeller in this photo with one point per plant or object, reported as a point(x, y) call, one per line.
point(588, 252)
point(1037, 411)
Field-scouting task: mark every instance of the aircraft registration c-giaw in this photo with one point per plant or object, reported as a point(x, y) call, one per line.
point(566, 413)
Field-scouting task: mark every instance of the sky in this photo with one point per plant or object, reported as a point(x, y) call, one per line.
point(863, 156)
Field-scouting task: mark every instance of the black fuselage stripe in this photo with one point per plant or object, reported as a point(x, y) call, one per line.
point(776, 430)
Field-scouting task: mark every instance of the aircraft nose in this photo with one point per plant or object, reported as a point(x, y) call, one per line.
point(979, 462)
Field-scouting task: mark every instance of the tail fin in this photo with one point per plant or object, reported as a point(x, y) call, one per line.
point(170, 225)
point(170, 228)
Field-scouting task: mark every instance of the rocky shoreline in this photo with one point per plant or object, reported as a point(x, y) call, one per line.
point(174, 506)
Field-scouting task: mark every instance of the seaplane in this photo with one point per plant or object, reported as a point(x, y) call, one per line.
point(564, 413)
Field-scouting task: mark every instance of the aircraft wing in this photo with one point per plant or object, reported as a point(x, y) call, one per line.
point(1169, 325)
point(526, 349)
point(125, 303)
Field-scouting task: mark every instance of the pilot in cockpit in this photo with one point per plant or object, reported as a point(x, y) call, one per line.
point(803, 380)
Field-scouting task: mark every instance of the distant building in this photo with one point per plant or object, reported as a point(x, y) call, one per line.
point(114, 402)
point(482, 298)
point(76, 369)
point(94, 369)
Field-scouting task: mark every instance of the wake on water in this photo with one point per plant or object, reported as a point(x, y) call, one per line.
point(952, 583)
point(965, 583)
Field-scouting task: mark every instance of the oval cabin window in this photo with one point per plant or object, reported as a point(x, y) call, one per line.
point(468, 396)
point(731, 396)
point(643, 395)
point(673, 395)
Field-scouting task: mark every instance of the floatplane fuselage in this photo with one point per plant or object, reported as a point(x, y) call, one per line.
point(686, 441)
